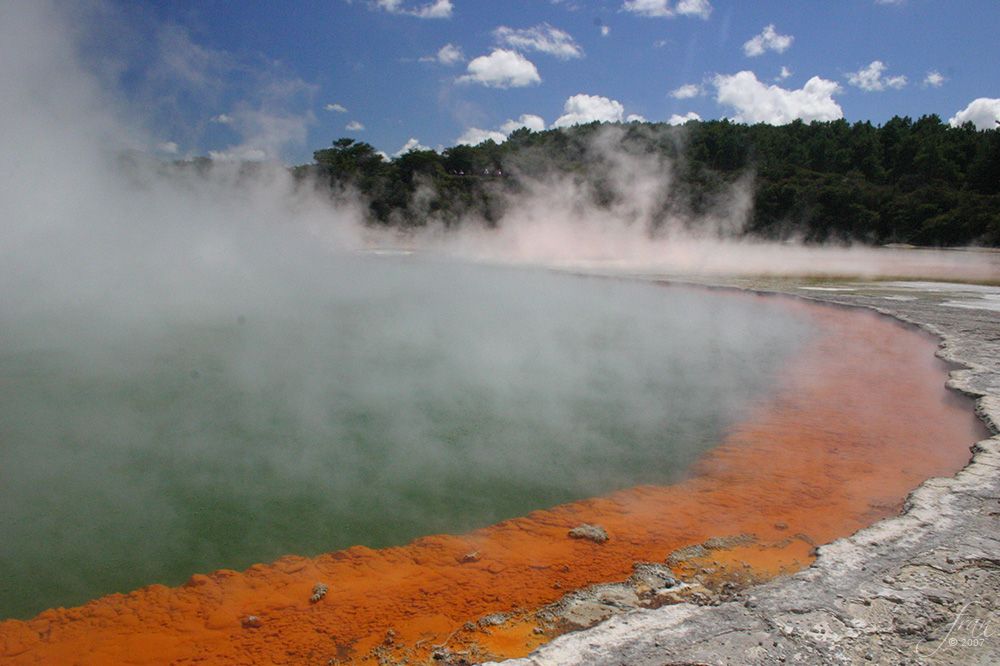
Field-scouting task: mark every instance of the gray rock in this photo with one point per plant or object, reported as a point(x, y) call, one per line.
point(594, 533)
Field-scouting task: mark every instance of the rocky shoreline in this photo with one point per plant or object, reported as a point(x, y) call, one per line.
point(919, 588)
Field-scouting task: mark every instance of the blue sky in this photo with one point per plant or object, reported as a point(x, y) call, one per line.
point(249, 78)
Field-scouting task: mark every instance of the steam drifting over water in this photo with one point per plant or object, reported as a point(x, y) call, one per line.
point(193, 363)
point(389, 399)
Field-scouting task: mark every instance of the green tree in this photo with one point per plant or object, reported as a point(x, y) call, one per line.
point(349, 159)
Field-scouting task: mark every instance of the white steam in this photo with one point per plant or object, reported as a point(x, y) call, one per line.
point(199, 370)
point(199, 343)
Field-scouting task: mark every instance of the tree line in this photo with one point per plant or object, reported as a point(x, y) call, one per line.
point(919, 182)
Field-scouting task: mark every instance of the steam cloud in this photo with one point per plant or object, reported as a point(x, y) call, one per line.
point(173, 342)
point(198, 368)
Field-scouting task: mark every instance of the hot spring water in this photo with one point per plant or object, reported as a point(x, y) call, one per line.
point(390, 397)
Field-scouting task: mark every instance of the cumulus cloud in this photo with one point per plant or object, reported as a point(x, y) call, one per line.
point(355, 126)
point(700, 8)
point(502, 69)
point(934, 79)
point(757, 102)
point(436, 9)
point(870, 78)
point(543, 38)
point(984, 113)
point(664, 8)
point(785, 73)
point(223, 119)
point(677, 119)
point(605, 31)
point(335, 107)
point(412, 144)
point(686, 91)
point(448, 55)
point(474, 136)
point(768, 40)
point(531, 121)
point(648, 7)
point(582, 109)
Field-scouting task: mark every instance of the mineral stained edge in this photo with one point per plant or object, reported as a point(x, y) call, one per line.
point(859, 418)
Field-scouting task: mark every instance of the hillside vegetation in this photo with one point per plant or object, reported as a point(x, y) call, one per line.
point(919, 182)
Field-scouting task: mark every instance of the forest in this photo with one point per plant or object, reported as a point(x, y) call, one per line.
point(919, 182)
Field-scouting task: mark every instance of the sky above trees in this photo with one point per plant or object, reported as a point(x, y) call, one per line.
point(251, 79)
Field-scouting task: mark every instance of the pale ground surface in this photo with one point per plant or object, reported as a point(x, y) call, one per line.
point(920, 588)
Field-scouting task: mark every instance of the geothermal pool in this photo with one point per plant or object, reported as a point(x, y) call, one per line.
point(389, 397)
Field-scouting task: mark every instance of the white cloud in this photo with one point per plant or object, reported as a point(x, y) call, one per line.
point(768, 40)
point(757, 102)
point(447, 55)
point(700, 8)
point(663, 8)
point(934, 79)
point(686, 91)
point(223, 119)
point(648, 7)
point(436, 9)
point(581, 109)
point(474, 136)
point(605, 31)
point(170, 148)
point(635, 118)
point(355, 126)
point(870, 78)
point(680, 120)
point(531, 121)
point(412, 144)
point(335, 107)
point(450, 55)
point(983, 112)
point(502, 69)
point(785, 73)
point(542, 38)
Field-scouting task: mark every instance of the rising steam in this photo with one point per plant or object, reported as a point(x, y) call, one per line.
point(187, 350)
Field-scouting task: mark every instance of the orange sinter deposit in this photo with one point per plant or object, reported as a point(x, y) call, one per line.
point(855, 423)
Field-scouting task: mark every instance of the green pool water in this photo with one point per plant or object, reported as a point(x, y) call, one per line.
point(382, 399)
